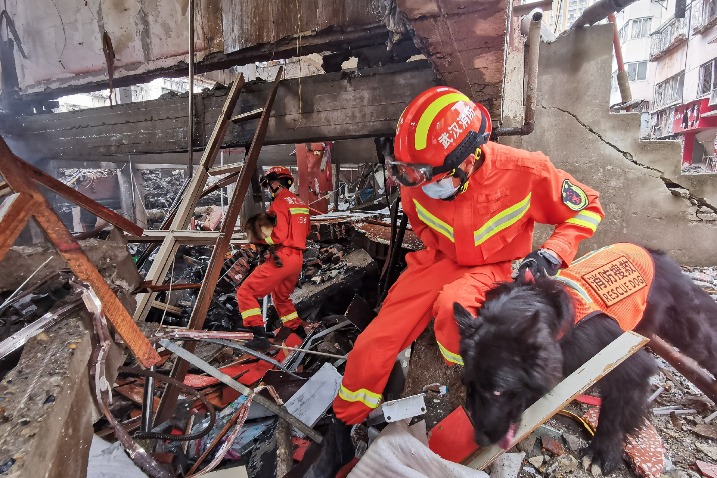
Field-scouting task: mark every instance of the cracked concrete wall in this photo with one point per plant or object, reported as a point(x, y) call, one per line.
point(575, 128)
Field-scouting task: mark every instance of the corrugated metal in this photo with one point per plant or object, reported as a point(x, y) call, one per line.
point(252, 22)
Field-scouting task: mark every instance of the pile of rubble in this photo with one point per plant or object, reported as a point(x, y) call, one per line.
point(265, 412)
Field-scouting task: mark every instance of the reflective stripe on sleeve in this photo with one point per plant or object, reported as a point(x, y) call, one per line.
point(269, 240)
point(367, 397)
point(586, 219)
point(448, 355)
point(502, 220)
point(433, 222)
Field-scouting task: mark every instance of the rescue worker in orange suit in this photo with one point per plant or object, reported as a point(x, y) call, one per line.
point(474, 204)
point(289, 236)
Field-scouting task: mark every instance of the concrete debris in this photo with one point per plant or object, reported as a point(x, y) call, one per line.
point(709, 450)
point(508, 465)
point(110, 461)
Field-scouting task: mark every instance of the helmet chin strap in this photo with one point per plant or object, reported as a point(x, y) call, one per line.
point(460, 174)
point(274, 191)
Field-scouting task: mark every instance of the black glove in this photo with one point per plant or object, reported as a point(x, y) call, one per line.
point(540, 263)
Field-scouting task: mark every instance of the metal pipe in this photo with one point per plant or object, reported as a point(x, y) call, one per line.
point(531, 73)
point(622, 79)
point(599, 11)
point(190, 128)
point(685, 365)
point(148, 402)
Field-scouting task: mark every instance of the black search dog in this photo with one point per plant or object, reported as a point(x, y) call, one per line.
point(260, 226)
point(513, 357)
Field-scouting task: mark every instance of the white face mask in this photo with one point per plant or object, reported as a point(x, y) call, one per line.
point(440, 189)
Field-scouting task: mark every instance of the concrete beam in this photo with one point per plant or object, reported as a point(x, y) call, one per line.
point(350, 151)
point(365, 103)
point(465, 42)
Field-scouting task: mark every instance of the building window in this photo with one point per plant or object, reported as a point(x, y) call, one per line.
point(640, 28)
point(635, 28)
point(708, 78)
point(636, 71)
point(669, 91)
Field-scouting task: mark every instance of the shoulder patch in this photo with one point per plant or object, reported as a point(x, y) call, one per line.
point(573, 196)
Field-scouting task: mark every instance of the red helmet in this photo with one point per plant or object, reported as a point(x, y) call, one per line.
point(275, 173)
point(437, 131)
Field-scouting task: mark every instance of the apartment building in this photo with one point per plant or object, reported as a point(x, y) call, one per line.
point(635, 24)
point(684, 104)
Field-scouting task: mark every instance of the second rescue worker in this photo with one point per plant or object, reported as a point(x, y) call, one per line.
point(289, 235)
point(474, 204)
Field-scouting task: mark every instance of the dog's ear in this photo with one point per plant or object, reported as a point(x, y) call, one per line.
point(467, 324)
point(525, 327)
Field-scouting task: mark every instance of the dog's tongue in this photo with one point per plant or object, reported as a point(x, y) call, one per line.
point(508, 438)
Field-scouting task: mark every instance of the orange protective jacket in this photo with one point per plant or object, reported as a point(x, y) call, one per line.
point(469, 243)
point(493, 220)
point(292, 221)
point(615, 280)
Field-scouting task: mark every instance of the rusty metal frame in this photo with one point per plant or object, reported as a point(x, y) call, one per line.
point(34, 205)
point(204, 298)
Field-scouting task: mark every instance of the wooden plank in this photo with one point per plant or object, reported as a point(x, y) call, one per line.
point(12, 169)
point(216, 261)
point(226, 169)
point(249, 115)
point(185, 237)
point(169, 308)
point(576, 383)
point(14, 214)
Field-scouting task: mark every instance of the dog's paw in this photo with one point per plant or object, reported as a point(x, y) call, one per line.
point(602, 457)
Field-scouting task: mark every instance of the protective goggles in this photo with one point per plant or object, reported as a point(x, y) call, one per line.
point(414, 174)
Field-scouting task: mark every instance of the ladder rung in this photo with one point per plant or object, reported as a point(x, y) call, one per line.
point(227, 168)
point(249, 115)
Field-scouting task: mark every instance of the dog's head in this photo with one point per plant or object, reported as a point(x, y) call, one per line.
point(259, 226)
point(511, 354)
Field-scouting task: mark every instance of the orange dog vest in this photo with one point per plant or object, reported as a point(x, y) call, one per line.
point(615, 280)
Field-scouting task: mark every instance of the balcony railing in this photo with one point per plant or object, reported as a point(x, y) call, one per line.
point(704, 15)
point(668, 37)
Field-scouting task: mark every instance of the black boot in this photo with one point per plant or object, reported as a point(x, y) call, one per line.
point(337, 449)
point(260, 341)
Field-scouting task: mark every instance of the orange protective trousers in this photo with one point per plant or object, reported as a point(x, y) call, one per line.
point(426, 289)
point(267, 279)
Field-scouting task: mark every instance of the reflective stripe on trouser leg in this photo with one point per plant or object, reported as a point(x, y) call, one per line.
point(261, 282)
point(281, 295)
point(405, 314)
point(469, 291)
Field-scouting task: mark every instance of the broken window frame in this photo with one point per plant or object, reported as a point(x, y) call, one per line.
point(707, 80)
point(669, 91)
